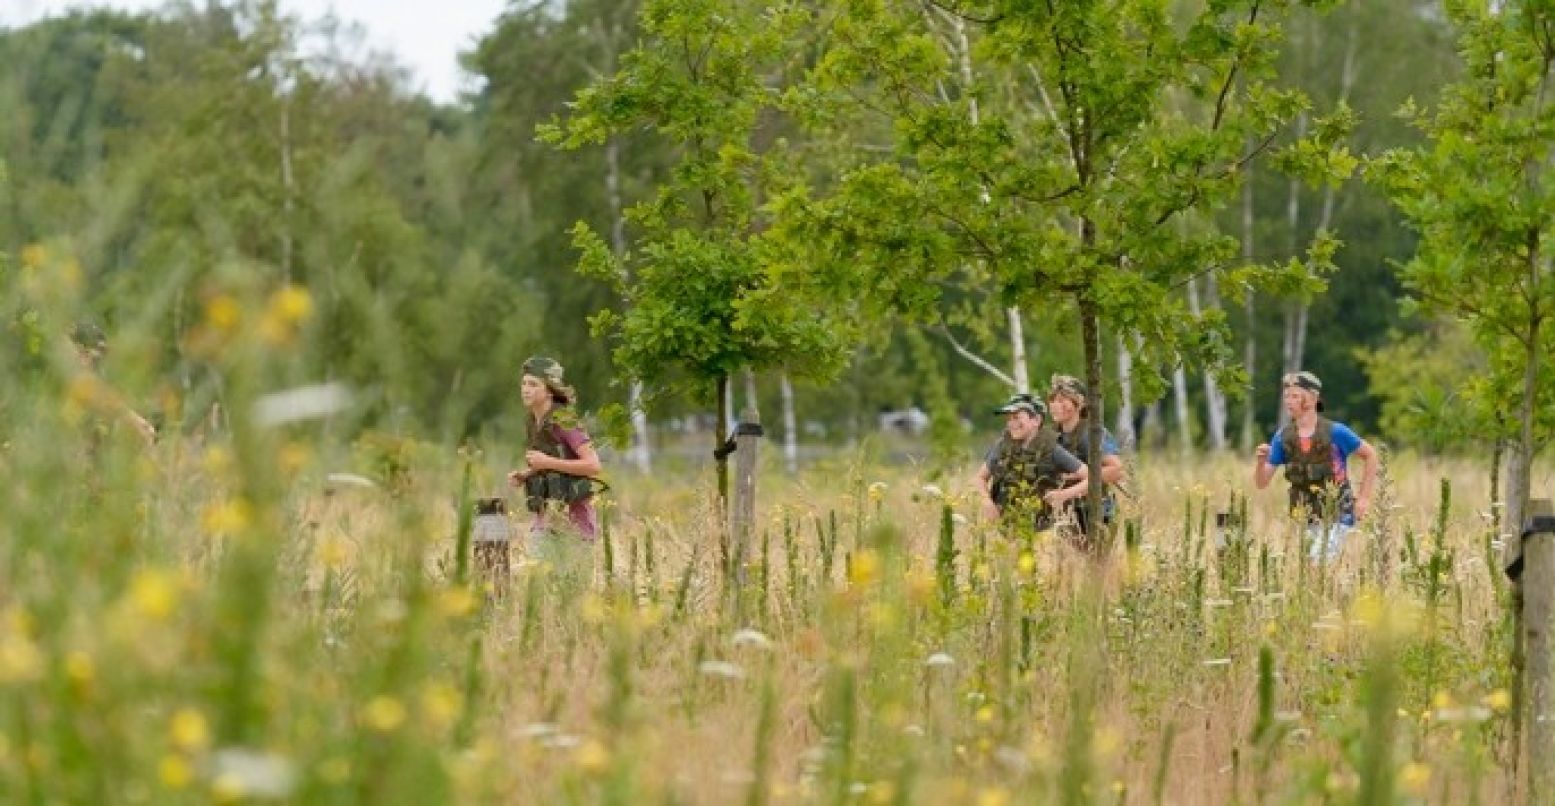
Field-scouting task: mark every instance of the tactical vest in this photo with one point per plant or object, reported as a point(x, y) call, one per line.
point(1311, 473)
point(552, 485)
point(1022, 472)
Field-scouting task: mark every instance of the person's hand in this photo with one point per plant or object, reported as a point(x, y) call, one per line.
point(1362, 506)
point(517, 478)
point(1056, 498)
point(1262, 453)
point(990, 510)
point(538, 460)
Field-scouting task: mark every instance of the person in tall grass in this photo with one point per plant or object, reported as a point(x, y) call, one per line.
point(1315, 453)
point(1023, 475)
point(105, 405)
point(560, 461)
point(1066, 396)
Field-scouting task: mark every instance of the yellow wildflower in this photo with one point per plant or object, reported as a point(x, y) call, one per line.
point(154, 593)
point(20, 659)
point(383, 714)
point(227, 517)
point(455, 602)
point(333, 552)
point(79, 668)
point(174, 771)
point(1499, 701)
point(865, 568)
point(223, 313)
point(188, 731)
point(440, 704)
point(592, 757)
point(33, 255)
point(1414, 779)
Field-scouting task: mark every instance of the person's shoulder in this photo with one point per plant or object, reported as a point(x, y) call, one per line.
point(1341, 431)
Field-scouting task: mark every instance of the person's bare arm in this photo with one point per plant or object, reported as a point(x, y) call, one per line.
point(1111, 469)
point(586, 465)
point(1263, 472)
point(1368, 455)
point(989, 509)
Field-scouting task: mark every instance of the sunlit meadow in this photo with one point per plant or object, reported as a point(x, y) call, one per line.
point(254, 607)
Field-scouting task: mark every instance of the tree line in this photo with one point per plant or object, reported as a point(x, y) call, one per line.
point(847, 207)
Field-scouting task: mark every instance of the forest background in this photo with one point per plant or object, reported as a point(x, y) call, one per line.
point(155, 157)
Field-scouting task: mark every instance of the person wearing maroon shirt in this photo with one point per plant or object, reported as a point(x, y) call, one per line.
point(560, 461)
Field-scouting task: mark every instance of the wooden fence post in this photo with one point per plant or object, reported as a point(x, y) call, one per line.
point(1537, 584)
point(492, 536)
point(746, 438)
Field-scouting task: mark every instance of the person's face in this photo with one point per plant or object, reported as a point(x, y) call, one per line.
point(1063, 408)
point(533, 391)
point(1021, 424)
point(1299, 401)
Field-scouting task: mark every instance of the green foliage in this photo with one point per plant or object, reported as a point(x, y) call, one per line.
point(1480, 198)
point(701, 298)
point(1435, 389)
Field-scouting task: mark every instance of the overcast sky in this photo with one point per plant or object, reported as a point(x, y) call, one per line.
point(424, 35)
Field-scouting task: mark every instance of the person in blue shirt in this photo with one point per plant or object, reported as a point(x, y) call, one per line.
point(1315, 453)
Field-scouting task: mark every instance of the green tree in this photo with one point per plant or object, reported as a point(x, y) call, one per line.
point(1480, 197)
point(701, 302)
point(1094, 184)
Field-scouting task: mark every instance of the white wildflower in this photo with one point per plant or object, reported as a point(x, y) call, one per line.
point(254, 773)
point(721, 668)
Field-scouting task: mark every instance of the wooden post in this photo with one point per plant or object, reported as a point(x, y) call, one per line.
point(492, 535)
point(746, 437)
point(1538, 585)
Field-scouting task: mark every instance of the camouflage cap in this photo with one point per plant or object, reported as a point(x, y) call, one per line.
point(546, 369)
point(550, 373)
point(1022, 402)
point(88, 336)
point(1067, 385)
point(1305, 380)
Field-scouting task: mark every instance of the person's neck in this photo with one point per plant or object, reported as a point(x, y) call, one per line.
point(541, 410)
point(1306, 421)
point(1069, 427)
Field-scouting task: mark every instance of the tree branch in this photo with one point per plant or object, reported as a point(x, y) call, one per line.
point(973, 357)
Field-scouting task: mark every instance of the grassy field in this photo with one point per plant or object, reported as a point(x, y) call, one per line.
point(215, 618)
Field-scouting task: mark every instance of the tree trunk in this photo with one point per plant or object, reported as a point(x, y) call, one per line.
point(1090, 333)
point(1497, 455)
point(1150, 427)
point(1326, 216)
point(1184, 417)
point(751, 404)
point(641, 453)
point(286, 189)
point(1017, 350)
point(744, 516)
point(1520, 469)
point(1214, 401)
point(1519, 475)
point(1250, 313)
point(963, 47)
point(1292, 226)
point(720, 436)
point(790, 426)
point(1125, 426)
